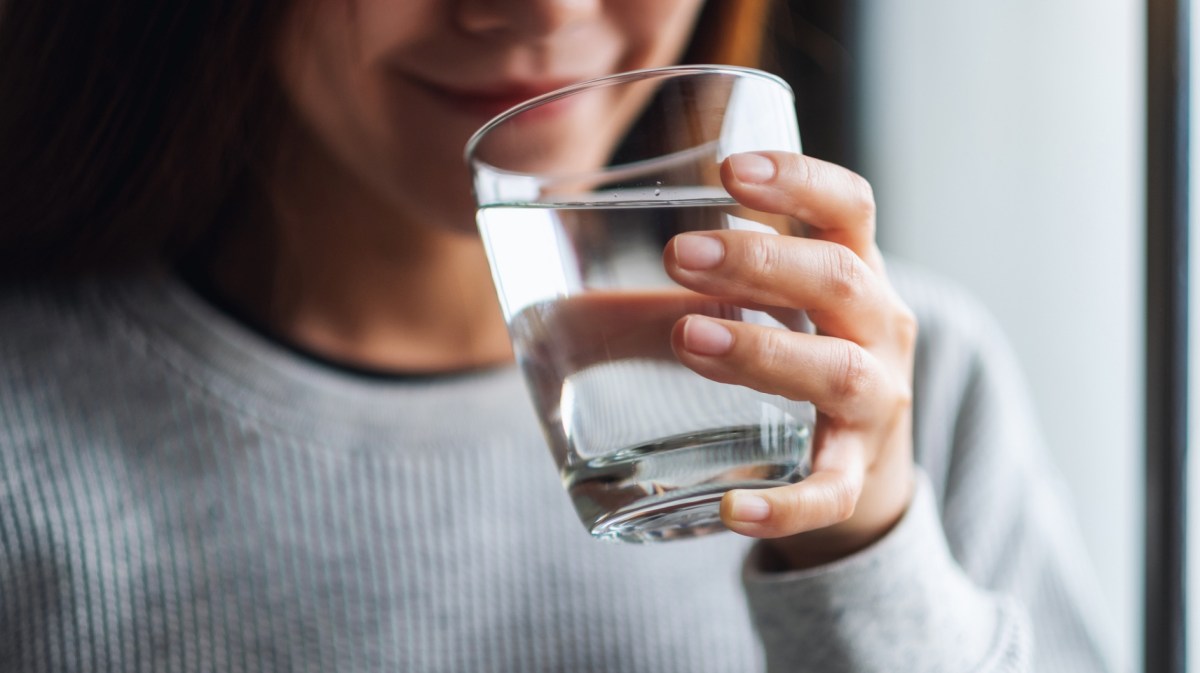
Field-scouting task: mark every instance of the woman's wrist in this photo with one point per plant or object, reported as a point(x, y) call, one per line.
point(882, 506)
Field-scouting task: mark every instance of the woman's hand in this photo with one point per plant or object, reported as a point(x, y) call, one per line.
point(857, 369)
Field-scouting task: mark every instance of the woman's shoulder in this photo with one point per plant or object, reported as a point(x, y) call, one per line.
point(39, 318)
point(63, 348)
point(48, 324)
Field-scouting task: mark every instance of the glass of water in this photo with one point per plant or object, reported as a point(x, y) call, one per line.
point(578, 192)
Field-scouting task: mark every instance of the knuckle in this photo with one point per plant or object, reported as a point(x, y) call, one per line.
point(906, 329)
point(862, 195)
point(853, 375)
point(761, 255)
point(901, 400)
point(904, 398)
point(806, 177)
point(843, 499)
point(772, 350)
point(806, 173)
point(845, 274)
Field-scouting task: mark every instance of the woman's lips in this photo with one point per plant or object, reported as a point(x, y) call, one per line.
point(487, 102)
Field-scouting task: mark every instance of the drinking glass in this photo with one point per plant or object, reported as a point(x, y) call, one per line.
point(578, 192)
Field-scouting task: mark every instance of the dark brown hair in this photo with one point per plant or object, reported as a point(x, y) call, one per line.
point(132, 131)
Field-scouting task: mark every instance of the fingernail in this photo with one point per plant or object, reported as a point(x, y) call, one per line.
point(752, 168)
point(706, 337)
point(747, 507)
point(698, 253)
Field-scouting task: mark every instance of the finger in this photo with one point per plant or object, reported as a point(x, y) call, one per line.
point(844, 380)
point(843, 297)
point(828, 496)
point(837, 204)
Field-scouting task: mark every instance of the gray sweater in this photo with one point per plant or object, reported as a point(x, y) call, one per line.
point(180, 494)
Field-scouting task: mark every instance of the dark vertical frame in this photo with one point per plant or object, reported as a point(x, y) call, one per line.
point(1167, 205)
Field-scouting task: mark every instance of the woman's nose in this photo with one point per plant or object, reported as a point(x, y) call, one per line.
point(523, 17)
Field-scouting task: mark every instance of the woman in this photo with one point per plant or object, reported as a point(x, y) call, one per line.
point(259, 410)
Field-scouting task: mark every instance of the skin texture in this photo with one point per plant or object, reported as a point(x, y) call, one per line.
point(370, 194)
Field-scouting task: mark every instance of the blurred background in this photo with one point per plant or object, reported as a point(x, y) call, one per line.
point(1005, 142)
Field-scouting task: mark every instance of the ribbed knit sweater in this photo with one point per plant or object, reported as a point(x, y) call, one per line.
point(178, 493)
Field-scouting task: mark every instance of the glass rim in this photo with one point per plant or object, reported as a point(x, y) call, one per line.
point(617, 78)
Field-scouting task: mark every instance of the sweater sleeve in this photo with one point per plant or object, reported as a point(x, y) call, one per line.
point(901, 605)
point(986, 572)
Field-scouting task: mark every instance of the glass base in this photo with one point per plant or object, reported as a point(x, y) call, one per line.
point(674, 517)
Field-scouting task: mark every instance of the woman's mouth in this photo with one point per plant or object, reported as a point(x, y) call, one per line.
point(489, 101)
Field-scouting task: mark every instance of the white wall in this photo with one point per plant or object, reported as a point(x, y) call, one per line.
point(1004, 141)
